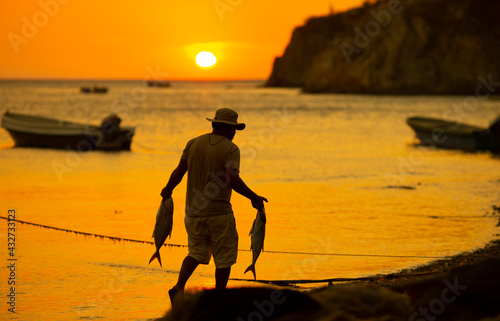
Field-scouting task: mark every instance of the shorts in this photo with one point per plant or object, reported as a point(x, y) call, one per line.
point(213, 235)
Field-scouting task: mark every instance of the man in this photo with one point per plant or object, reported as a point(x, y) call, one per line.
point(212, 162)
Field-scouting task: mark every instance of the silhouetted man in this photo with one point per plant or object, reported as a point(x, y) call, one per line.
point(212, 162)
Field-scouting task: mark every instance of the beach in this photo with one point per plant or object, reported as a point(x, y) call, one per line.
point(463, 287)
point(351, 195)
point(371, 129)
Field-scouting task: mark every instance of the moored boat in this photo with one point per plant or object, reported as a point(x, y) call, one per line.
point(44, 132)
point(94, 90)
point(159, 83)
point(454, 135)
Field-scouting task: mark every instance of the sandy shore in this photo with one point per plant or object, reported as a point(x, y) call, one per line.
point(439, 267)
point(463, 287)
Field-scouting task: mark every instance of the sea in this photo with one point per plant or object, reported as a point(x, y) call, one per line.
point(351, 192)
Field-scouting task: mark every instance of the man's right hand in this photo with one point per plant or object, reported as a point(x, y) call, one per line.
point(175, 179)
point(166, 193)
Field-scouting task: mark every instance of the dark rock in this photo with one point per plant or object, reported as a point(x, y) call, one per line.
point(467, 291)
point(422, 47)
point(236, 304)
point(470, 292)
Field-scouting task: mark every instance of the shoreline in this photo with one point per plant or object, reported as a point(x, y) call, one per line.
point(436, 267)
point(462, 287)
point(422, 271)
point(490, 250)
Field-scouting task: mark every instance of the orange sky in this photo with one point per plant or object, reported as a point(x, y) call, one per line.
point(111, 39)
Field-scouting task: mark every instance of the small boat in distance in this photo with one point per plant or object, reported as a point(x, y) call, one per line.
point(159, 83)
point(455, 135)
point(44, 132)
point(93, 90)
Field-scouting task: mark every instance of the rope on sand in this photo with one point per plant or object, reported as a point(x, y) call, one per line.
point(334, 280)
point(362, 255)
point(119, 239)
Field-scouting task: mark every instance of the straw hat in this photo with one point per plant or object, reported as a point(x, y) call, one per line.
point(227, 116)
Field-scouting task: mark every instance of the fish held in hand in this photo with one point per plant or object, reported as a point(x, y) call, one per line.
point(257, 233)
point(163, 226)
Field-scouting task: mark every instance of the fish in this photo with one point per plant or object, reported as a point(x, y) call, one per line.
point(257, 233)
point(163, 226)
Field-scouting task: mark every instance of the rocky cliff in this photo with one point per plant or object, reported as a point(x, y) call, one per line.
point(397, 47)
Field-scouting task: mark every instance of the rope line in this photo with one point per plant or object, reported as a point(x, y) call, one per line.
point(114, 239)
point(363, 255)
point(335, 280)
point(102, 236)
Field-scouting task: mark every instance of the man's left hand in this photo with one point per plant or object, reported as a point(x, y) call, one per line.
point(258, 202)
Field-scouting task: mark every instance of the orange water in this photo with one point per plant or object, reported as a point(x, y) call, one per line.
point(325, 163)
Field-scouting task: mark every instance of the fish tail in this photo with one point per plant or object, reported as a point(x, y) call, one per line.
point(156, 255)
point(251, 268)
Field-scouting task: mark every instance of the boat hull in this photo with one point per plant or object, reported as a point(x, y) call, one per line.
point(41, 132)
point(72, 142)
point(452, 135)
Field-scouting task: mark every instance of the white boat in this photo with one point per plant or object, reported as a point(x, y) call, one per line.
point(44, 132)
point(453, 135)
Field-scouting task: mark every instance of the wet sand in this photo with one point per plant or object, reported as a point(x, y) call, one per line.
point(439, 267)
point(463, 287)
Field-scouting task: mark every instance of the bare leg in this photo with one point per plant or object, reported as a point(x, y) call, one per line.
point(221, 277)
point(188, 266)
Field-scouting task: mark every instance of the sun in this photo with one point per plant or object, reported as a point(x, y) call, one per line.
point(205, 59)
